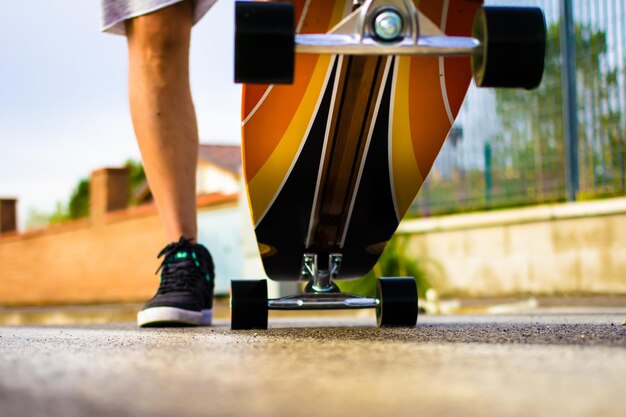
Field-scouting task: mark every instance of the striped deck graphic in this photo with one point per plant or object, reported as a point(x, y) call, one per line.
point(333, 162)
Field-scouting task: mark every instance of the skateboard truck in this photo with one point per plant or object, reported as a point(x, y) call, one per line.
point(506, 46)
point(395, 301)
point(320, 292)
point(320, 279)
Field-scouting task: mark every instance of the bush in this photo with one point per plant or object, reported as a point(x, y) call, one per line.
point(394, 262)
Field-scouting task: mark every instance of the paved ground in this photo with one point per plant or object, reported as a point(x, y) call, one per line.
point(557, 363)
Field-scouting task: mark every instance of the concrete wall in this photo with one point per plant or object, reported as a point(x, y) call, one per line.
point(573, 248)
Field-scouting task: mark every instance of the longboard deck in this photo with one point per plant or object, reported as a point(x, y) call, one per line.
point(333, 162)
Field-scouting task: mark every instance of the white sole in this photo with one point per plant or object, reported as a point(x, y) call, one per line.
point(174, 315)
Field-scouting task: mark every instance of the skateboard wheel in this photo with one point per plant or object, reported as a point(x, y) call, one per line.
point(248, 304)
point(514, 45)
point(397, 302)
point(264, 42)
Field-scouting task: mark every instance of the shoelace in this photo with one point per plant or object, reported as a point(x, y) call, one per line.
point(179, 274)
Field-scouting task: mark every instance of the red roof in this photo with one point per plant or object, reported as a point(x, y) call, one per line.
point(226, 156)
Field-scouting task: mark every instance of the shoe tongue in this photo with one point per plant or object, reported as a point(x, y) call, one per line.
point(181, 255)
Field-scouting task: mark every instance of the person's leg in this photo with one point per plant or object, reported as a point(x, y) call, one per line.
point(163, 114)
point(165, 125)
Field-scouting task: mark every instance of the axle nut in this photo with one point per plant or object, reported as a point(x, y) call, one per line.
point(388, 25)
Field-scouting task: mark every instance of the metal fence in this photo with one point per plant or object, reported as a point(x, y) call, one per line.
point(510, 147)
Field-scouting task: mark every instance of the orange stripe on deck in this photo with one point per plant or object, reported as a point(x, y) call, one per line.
point(431, 8)
point(429, 121)
point(458, 70)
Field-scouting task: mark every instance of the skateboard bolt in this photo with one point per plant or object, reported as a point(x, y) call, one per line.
point(388, 25)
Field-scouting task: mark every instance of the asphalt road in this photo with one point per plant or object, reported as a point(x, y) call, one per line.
point(564, 364)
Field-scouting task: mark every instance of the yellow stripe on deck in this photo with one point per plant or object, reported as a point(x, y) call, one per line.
point(406, 177)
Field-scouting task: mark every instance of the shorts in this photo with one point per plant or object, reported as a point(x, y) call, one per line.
point(115, 12)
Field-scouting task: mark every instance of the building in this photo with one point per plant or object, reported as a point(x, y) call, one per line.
point(219, 171)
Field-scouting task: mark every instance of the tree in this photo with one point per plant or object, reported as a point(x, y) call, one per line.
point(395, 261)
point(531, 146)
point(137, 176)
point(78, 205)
point(524, 153)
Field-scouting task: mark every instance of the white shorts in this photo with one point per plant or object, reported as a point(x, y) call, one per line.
point(114, 12)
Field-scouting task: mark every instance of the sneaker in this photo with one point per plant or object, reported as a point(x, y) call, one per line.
point(185, 295)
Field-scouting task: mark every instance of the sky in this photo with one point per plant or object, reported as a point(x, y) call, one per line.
point(63, 96)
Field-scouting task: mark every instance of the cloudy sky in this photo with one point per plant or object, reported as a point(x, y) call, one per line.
point(63, 95)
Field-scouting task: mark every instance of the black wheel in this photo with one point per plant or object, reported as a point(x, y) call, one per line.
point(398, 302)
point(248, 304)
point(264, 42)
point(514, 46)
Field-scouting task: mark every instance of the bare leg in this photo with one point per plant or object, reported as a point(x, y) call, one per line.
point(163, 114)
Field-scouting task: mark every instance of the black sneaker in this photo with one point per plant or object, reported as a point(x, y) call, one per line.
point(185, 295)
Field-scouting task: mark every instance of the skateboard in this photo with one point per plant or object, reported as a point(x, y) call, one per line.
point(346, 105)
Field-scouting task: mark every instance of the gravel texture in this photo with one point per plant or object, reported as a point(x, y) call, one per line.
point(514, 365)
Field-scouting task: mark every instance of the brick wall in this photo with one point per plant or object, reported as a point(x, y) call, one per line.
point(111, 260)
point(110, 257)
point(8, 215)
